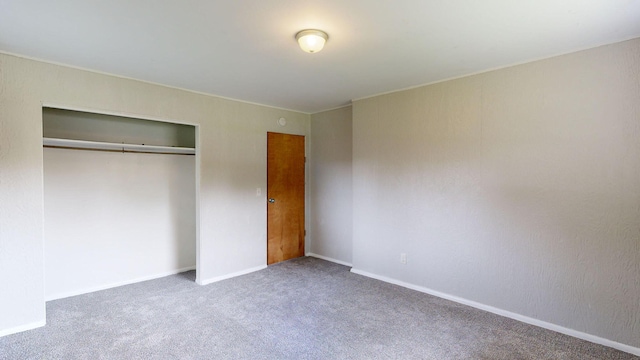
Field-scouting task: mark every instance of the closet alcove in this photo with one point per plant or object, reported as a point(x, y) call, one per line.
point(119, 200)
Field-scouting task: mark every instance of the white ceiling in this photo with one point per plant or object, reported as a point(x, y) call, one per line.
point(245, 49)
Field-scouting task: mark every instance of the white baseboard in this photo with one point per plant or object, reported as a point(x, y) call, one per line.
point(120, 283)
point(22, 328)
point(330, 259)
point(229, 276)
point(525, 319)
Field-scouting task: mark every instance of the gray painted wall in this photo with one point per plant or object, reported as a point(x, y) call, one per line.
point(518, 189)
point(331, 193)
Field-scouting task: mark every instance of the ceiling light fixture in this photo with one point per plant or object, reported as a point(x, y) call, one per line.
point(311, 40)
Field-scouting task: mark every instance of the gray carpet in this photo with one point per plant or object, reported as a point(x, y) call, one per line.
point(300, 309)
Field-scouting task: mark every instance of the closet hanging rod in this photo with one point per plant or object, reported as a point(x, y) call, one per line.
point(115, 147)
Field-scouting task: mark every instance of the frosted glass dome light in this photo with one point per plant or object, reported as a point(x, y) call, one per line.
point(311, 40)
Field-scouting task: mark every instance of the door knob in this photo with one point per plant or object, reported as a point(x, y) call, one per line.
point(272, 200)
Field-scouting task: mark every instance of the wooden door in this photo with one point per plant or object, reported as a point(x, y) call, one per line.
point(285, 197)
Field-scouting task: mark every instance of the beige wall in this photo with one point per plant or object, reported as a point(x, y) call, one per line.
point(516, 189)
point(231, 158)
point(331, 193)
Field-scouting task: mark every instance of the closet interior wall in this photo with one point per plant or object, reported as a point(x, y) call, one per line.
point(113, 218)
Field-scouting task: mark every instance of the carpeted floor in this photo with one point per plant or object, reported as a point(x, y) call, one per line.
point(300, 309)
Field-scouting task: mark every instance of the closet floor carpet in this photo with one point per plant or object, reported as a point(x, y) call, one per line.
point(300, 309)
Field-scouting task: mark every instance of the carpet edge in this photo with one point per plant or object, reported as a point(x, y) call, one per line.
point(21, 328)
point(230, 275)
point(117, 284)
point(522, 318)
point(322, 257)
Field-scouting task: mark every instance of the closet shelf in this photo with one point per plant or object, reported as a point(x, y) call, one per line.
point(116, 147)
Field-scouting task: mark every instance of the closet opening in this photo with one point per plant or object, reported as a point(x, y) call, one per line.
point(120, 200)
